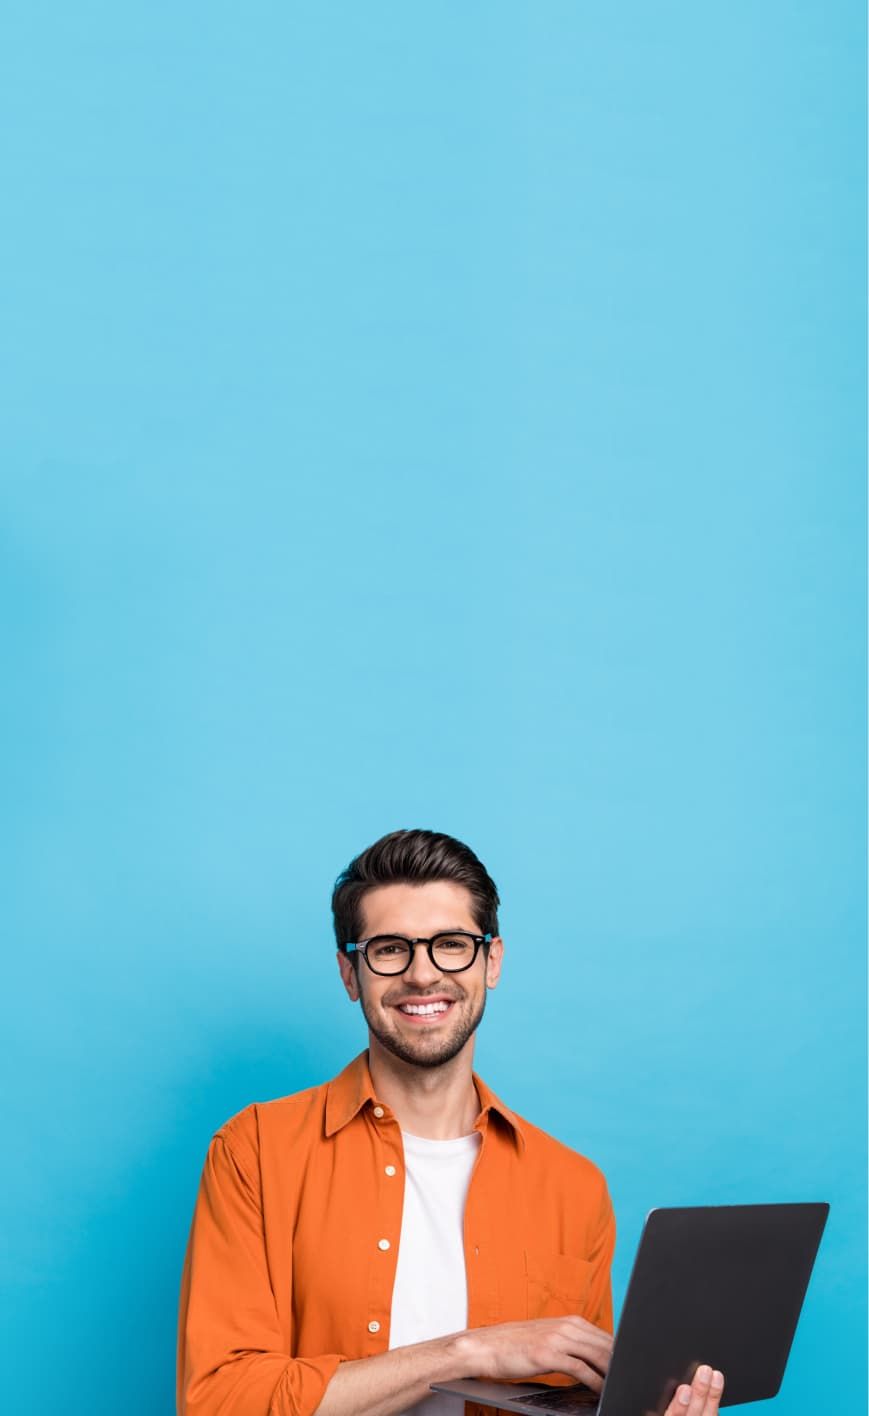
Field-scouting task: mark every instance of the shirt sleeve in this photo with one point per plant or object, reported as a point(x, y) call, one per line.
point(232, 1357)
point(599, 1299)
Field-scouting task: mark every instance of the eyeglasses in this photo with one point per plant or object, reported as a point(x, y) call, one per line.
point(451, 951)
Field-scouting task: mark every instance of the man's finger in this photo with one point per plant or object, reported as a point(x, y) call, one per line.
point(701, 1398)
point(586, 1373)
point(716, 1389)
point(704, 1396)
point(591, 1337)
point(578, 1363)
point(679, 1405)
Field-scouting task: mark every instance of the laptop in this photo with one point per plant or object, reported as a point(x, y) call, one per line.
point(721, 1284)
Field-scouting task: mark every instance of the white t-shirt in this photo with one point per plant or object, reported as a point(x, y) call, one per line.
point(430, 1296)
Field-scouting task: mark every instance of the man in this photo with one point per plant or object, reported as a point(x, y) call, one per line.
point(399, 1225)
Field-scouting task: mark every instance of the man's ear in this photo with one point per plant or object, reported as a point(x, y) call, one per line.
point(494, 957)
point(349, 976)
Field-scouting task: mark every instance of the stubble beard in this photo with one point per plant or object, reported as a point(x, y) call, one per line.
point(428, 1051)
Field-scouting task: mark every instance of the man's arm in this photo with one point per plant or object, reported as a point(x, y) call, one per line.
point(232, 1355)
point(384, 1385)
point(392, 1381)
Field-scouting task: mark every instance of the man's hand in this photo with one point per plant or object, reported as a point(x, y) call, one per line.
point(571, 1345)
point(516, 1350)
point(701, 1398)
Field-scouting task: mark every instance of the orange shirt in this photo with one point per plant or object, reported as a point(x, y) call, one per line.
point(292, 1251)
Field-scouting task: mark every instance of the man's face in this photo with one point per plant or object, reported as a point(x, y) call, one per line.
point(419, 911)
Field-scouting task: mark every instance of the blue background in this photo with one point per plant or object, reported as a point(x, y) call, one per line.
point(428, 415)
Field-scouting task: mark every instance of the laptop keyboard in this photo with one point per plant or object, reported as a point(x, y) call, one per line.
point(575, 1398)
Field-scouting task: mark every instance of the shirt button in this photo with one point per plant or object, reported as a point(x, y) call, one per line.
point(374, 1325)
point(378, 1112)
point(383, 1243)
point(390, 1169)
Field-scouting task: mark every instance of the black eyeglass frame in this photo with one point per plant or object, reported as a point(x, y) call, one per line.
point(361, 947)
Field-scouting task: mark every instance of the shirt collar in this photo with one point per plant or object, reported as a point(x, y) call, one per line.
point(352, 1089)
point(347, 1093)
point(490, 1102)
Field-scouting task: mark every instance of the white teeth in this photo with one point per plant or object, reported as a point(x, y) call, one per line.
point(423, 1007)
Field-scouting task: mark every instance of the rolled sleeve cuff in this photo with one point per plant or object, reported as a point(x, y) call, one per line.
point(303, 1385)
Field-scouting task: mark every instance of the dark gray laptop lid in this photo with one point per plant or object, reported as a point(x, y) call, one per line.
point(721, 1284)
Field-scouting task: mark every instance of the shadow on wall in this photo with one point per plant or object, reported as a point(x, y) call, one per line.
point(116, 1298)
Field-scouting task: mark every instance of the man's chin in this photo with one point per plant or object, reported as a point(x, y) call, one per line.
point(425, 1049)
point(424, 1052)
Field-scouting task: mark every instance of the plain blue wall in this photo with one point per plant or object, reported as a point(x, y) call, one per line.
point(442, 415)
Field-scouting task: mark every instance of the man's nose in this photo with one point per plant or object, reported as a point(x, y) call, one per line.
point(421, 972)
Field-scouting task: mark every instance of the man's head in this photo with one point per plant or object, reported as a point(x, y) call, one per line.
point(418, 884)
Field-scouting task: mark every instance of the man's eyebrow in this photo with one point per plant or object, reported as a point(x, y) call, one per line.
point(444, 929)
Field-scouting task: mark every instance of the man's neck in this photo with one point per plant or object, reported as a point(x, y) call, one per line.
point(437, 1103)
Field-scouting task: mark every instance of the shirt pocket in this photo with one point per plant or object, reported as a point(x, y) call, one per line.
point(556, 1284)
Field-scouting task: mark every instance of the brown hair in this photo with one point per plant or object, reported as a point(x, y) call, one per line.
point(412, 858)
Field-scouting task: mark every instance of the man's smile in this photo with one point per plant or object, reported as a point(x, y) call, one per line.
point(425, 1011)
